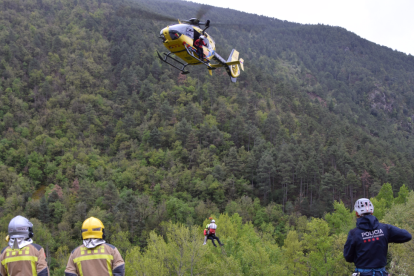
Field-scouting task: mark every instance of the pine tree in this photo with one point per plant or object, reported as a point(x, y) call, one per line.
point(265, 172)
point(233, 162)
point(56, 44)
point(121, 93)
point(155, 138)
point(285, 168)
point(166, 111)
point(251, 167)
point(271, 126)
point(44, 215)
point(192, 141)
point(111, 196)
point(183, 130)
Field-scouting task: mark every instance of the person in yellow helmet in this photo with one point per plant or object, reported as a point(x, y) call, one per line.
point(22, 257)
point(95, 257)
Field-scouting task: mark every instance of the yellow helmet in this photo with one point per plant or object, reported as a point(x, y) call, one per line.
point(93, 228)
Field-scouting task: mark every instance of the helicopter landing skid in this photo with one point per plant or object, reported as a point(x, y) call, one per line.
point(165, 59)
point(190, 51)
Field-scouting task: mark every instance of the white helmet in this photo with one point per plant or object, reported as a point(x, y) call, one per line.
point(213, 221)
point(20, 227)
point(202, 37)
point(363, 206)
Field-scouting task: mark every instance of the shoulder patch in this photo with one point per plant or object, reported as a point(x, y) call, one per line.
point(38, 247)
point(75, 249)
point(110, 245)
point(4, 249)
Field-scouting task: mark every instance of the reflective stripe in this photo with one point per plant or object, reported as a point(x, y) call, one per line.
point(22, 258)
point(106, 257)
point(17, 251)
point(85, 250)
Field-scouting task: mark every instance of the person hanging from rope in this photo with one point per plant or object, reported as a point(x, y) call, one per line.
point(212, 232)
point(367, 244)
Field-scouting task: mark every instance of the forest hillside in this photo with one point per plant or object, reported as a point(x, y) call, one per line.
point(92, 124)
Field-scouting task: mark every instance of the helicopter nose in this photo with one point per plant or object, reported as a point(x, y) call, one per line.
point(165, 35)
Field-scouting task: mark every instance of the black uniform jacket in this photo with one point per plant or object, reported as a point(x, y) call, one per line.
point(367, 244)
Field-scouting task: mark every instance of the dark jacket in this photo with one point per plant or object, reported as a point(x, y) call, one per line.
point(367, 244)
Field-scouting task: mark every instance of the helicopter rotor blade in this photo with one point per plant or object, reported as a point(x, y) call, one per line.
point(143, 12)
point(203, 10)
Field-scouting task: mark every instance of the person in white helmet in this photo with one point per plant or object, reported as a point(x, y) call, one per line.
point(22, 257)
point(212, 233)
point(367, 244)
point(199, 43)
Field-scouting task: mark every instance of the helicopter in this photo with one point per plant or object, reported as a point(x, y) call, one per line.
point(179, 40)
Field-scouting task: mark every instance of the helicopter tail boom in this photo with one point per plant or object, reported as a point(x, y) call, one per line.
point(232, 65)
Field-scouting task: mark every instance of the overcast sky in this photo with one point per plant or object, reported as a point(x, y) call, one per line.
point(385, 22)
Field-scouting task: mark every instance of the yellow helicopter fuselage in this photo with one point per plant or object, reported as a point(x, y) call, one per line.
point(179, 40)
point(176, 38)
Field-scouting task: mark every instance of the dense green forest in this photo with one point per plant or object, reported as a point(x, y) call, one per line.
point(91, 123)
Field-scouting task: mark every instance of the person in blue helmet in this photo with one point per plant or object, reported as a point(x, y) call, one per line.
point(367, 244)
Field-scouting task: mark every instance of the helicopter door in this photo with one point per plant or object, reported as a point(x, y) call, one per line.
point(196, 35)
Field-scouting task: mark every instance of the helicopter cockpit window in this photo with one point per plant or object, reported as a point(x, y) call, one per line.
point(181, 29)
point(174, 34)
point(189, 32)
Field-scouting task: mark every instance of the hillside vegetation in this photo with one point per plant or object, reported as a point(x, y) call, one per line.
point(91, 123)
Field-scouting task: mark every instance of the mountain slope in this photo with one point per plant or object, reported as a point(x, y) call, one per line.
point(92, 123)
